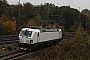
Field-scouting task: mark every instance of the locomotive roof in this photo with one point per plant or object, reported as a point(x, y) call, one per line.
point(42, 29)
point(29, 29)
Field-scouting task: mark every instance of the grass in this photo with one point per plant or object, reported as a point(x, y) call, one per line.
point(8, 48)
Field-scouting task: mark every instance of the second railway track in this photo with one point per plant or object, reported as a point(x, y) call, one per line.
point(12, 55)
point(8, 40)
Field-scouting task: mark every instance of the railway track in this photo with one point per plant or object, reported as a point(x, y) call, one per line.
point(8, 37)
point(22, 55)
point(8, 40)
point(18, 55)
point(12, 55)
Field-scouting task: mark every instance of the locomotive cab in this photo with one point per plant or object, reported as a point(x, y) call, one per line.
point(28, 37)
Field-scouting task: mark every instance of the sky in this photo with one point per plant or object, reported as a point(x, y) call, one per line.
point(77, 4)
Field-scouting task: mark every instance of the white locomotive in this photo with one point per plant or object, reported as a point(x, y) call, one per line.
point(30, 37)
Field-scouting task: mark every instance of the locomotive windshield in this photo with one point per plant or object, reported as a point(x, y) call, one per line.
point(26, 33)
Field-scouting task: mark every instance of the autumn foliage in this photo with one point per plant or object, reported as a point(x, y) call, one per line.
point(8, 27)
point(31, 22)
point(79, 33)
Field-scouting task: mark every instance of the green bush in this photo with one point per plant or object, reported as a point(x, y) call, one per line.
point(9, 48)
point(71, 30)
point(89, 32)
point(79, 34)
point(88, 41)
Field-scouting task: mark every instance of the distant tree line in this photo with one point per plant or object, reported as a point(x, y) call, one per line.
point(15, 17)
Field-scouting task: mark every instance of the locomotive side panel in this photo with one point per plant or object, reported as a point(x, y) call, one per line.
point(36, 37)
point(46, 36)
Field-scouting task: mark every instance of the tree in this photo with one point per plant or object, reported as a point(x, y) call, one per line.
point(1, 28)
point(10, 26)
point(28, 10)
point(14, 25)
point(85, 11)
point(3, 19)
point(31, 22)
point(79, 33)
point(40, 13)
point(3, 6)
point(38, 20)
point(74, 27)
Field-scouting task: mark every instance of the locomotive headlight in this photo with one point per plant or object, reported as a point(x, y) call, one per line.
point(31, 41)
